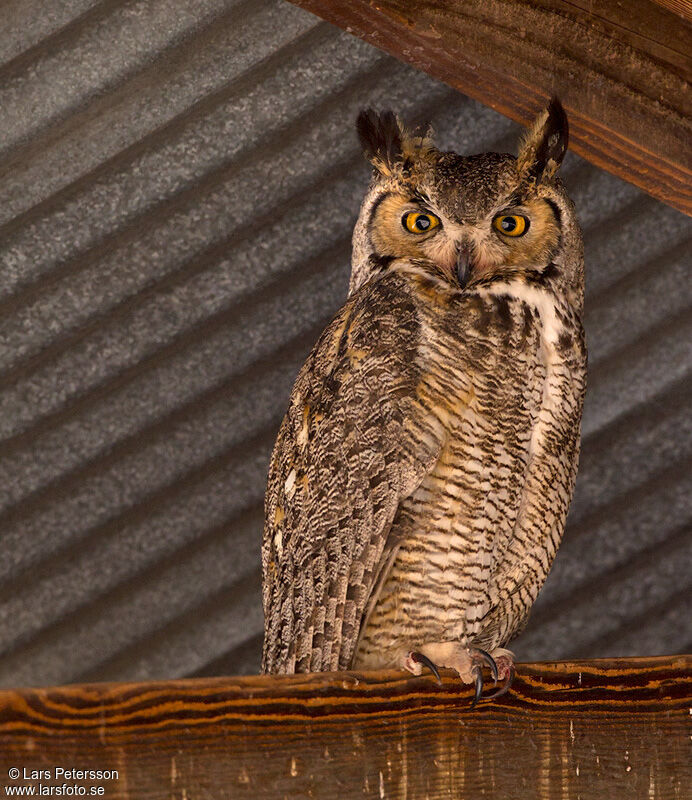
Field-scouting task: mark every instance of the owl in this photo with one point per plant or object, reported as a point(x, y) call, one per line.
point(421, 477)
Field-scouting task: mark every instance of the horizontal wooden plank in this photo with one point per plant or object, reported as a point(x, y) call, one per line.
point(622, 70)
point(593, 729)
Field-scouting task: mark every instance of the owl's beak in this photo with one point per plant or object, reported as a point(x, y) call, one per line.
point(464, 263)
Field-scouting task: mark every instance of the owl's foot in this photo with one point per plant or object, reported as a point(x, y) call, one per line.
point(418, 659)
point(505, 671)
point(468, 662)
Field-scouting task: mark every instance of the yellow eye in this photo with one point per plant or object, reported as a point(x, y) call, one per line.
point(511, 224)
point(419, 222)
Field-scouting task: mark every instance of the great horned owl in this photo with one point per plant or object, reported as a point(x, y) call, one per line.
point(420, 482)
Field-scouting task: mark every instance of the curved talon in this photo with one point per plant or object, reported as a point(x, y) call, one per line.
point(490, 661)
point(509, 680)
point(419, 658)
point(478, 672)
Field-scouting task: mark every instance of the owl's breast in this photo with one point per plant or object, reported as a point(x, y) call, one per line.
point(493, 376)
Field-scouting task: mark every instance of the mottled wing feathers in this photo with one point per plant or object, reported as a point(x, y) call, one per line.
point(345, 456)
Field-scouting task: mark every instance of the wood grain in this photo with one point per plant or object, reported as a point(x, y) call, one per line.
point(681, 7)
point(593, 729)
point(622, 70)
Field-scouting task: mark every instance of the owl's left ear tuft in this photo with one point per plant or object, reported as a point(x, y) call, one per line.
point(381, 138)
point(544, 145)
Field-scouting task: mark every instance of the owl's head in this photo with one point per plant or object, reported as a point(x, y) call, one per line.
point(472, 218)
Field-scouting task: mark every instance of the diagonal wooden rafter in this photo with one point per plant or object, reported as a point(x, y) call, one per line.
point(681, 7)
point(622, 70)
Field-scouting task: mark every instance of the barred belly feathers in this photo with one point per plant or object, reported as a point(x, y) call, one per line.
point(422, 475)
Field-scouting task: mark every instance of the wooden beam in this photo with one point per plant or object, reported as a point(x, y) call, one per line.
point(594, 729)
point(622, 70)
point(681, 7)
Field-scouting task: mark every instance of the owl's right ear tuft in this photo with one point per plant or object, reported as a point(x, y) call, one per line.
point(381, 138)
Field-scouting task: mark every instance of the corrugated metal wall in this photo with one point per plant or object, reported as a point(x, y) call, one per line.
point(178, 184)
